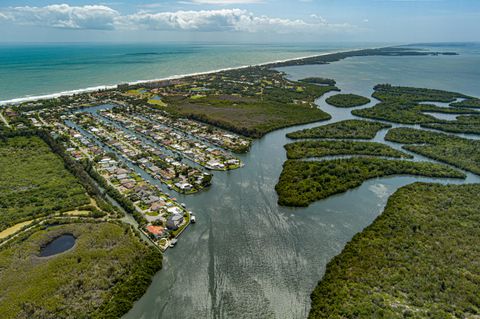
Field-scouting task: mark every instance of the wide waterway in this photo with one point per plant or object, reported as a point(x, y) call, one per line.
point(247, 257)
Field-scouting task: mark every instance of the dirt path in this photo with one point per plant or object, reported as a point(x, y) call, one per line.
point(4, 120)
point(12, 230)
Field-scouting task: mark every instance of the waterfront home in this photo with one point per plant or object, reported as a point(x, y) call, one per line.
point(184, 186)
point(174, 221)
point(174, 210)
point(156, 231)
point(157, 206)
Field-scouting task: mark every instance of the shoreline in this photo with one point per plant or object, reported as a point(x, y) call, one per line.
point(172, 77)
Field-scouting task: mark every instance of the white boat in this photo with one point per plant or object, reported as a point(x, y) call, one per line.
point(192, 219)
point(173, 242)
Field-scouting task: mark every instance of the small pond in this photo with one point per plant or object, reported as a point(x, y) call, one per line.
point(58, 245)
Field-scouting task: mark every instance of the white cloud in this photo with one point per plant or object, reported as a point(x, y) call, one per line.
point(64, 16)
point(103, 17)
point(203, 20)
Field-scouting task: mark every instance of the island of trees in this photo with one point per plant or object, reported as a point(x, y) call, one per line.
point(468, 124)
point(419, 259)
point(303, 182)
point(402, 105)
point(347, 100)
point(456, 151)
point(348, 129)
point(471, 102)
point(307, 149)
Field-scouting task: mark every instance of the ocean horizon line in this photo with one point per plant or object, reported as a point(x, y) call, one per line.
point(19, 100)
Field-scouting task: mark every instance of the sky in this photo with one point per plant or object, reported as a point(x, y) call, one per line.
point(393, 21)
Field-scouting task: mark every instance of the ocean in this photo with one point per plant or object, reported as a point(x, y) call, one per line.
point(30, 70)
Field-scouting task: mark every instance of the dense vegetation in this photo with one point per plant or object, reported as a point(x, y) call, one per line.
point(401, 105)
point(463, 124)
point(475, 103)
point(351, 129)
point(305, 149)
point(406, 113)
point(303, 182)
point(249, 118)
point(34, 181)
point(419, 259)
point(347, 100)
point(100, 277)
point(251, 101)
point(317, 80)
point(460, 152)
point(387, 92)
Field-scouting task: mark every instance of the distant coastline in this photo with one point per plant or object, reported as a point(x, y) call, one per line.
point(173, 77)
point(304, 60)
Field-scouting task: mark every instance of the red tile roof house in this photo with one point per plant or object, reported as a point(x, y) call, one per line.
point(156, 231)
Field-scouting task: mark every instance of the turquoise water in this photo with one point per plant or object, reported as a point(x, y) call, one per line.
point(32, 70)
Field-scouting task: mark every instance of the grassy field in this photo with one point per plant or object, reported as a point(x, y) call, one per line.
point(460, 152)
point(303, 182)
point(34, 182)
point(100, 277)
point(306, 149)
point(347, 100)
point(419, 259)
point(350, 129)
